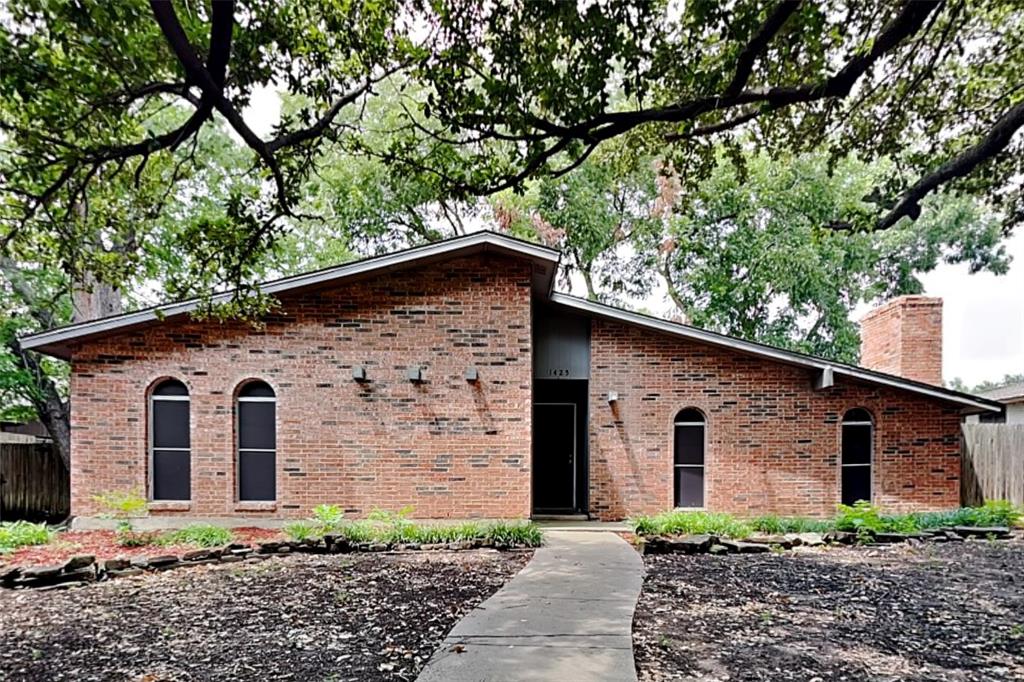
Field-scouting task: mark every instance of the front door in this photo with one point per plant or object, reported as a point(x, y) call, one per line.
point(554, 457)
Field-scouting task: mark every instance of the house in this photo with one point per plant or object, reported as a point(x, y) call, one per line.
point(451, 377)
point(1012, 398)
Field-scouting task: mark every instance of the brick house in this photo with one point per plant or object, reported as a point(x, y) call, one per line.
point(451, 377)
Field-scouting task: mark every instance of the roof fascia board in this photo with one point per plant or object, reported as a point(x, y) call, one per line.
point(489, 241)
point(672, 328)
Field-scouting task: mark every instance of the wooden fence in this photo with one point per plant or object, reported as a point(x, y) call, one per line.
point(993, 463)
point(34, 483)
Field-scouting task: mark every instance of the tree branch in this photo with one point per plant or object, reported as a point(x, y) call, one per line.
point(997, 139)
point(758, 44)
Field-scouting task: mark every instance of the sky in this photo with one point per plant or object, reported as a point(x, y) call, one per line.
point(983, 314)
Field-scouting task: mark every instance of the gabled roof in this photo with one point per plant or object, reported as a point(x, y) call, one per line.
point(788, 357)
point(59, 342)
point(1010, 393)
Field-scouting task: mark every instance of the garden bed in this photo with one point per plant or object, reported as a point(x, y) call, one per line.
point(898, 612)
point(351, 617)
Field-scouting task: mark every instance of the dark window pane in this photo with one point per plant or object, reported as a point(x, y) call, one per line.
point(689, 445)
point(171, 475)
point(256, 426)
point(856, 444)
point(170, 424)
point(256, 389)
point(857, 415)
point(170, 387)
point(689, 415)
point(256, 473)
point(856, 484)
point(689, 486)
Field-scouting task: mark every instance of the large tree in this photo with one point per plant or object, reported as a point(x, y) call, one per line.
point(744, 252)
point(499, 92)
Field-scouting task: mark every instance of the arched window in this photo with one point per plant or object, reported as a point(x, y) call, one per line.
point(856, 457)
point(170, 447)
point(257, 443)
point(689, 458)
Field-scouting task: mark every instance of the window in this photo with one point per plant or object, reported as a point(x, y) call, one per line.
point(689, 459)
point(257, 443)
point(856, 456)
point(170, 454)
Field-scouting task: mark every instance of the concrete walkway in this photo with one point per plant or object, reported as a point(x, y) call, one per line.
point(567, 616)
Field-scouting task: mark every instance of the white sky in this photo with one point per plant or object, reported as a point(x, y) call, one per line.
point(983, 314)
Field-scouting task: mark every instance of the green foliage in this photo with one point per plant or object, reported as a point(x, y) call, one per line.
point(15, 534)
point(677, 522)
point(396, 527)
point(198, 534)
point(862, 518)
point(776, 525)
point(121, 504)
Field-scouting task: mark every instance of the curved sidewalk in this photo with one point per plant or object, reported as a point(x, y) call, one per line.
point(567, 616)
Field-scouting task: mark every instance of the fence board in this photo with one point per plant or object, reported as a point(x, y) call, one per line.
point(34, 483)
point(993, 463)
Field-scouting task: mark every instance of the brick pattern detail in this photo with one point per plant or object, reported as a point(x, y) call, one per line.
point(773, 442)
point(904, 337)
point(448, 447)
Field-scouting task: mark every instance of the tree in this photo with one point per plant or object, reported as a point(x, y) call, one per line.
point(958, 384)
point(496, 93)
point(745, 253)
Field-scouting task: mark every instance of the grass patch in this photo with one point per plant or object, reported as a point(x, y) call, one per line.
point(678, 522)
point(15, 534)
point(396, 528)
point(198, 534)
point(862, 518)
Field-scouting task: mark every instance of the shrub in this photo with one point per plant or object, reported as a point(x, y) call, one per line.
point(22, 534)
point(198, 534)
point(678, 522)
point(861, 518)
point(516, 533)
point(776, 525)
point(301, 530)
point(327, 518)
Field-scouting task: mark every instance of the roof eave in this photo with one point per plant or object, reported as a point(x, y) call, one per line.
point(969, 403)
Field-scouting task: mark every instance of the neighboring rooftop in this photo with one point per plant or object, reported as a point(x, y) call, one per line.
point(1010, 393)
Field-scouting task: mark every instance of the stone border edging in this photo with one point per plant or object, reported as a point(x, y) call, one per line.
point(757, 544)
point(85, 569)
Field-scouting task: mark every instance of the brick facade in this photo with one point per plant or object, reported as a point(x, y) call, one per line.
point(452, 448)
point(904, 337)
point(772, 440)
point(448, 447)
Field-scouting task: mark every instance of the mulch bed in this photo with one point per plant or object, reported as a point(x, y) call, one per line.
point(103, 545)
point(906, 612)
point(304, 617)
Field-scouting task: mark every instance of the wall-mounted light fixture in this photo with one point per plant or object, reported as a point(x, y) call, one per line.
point(415, 375)
point(359, 374)
point(472, 375)
point(613, 397)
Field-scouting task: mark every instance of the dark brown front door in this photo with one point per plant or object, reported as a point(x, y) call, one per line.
point(554, 457)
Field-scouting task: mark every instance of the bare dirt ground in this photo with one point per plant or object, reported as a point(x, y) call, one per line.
point(304, 617)
point(951, 612)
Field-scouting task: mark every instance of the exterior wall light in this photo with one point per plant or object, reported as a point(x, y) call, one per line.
point(613, 397)
point(415, 375)
point(359, 374)
point(472, 375)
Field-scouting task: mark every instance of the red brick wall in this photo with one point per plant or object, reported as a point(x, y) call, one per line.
point(904, 337)
point(448, 447)
point(772, 440)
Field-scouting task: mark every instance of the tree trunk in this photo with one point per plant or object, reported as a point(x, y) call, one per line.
point(54, 412)
point(92, 299)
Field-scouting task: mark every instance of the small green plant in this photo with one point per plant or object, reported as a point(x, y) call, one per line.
point(22, 534)
point(861, 518)
point(776, 525)
point(327, 517)
point(198, 534)
point(301, 530)
point(679, 522)
point(124, 506)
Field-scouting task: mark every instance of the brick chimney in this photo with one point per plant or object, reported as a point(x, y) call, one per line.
point(904, 337)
